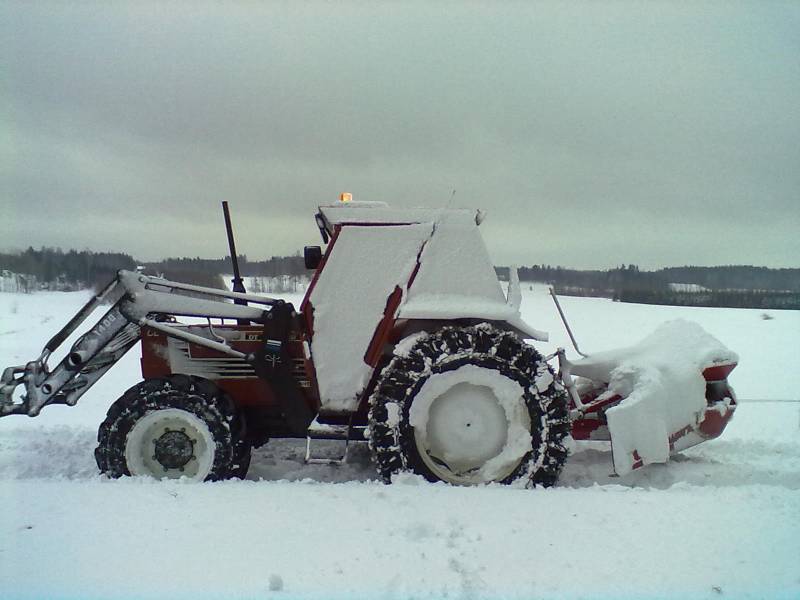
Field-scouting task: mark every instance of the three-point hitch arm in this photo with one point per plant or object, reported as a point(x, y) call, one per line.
point(144, 299)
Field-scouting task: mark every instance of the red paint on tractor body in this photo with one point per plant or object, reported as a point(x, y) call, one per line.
point(582, 429)
point(305, 305)
point(162, 356)
point(381, 334)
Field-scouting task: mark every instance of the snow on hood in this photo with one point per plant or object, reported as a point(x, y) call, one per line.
point(661, 381)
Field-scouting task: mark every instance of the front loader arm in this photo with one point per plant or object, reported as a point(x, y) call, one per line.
point(97, 350)
point(89, 358)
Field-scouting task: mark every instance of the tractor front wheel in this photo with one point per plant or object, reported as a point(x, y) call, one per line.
point(178, 426)
point(469, 406)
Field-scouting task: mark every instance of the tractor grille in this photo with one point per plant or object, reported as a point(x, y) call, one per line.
point(224, 367)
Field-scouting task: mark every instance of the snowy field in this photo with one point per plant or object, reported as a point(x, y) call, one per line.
point(720, 521)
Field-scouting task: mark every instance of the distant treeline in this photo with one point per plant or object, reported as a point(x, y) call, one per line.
point(209, 271)
point(735, 286)
point(271, 267)
point(715, 278)
point(732, 286)
point(52, 268)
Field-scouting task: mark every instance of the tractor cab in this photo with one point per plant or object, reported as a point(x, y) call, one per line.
point(390, 273)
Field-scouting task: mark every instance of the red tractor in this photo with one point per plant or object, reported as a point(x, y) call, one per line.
point(405, 339)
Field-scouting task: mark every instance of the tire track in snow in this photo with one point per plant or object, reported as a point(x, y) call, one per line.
point(66, 452)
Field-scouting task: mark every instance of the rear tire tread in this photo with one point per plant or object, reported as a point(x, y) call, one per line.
point(393, 446)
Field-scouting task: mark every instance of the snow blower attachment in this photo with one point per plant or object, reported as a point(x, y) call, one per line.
point(404, 339)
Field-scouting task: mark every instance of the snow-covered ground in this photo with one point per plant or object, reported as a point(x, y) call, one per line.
point(721, 520)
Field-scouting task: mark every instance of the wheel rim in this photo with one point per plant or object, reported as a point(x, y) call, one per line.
point(471, 425)
point(170, 443)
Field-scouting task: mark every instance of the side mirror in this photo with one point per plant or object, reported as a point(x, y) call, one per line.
point(312, 255)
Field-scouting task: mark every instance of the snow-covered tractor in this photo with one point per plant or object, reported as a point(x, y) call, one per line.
point(404, 339)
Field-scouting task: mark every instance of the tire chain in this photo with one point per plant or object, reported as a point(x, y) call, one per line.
point(485, 346)
point(196, 395)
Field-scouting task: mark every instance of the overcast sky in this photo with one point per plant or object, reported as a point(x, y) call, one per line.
point(593, 134)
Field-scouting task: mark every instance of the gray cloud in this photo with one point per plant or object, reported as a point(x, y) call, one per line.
point(594, 134)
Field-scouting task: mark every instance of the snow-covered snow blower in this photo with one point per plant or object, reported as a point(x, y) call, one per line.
point(404, 339)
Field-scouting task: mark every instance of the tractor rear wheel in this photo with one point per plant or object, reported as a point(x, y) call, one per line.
point(178, 426)
point(469, 406)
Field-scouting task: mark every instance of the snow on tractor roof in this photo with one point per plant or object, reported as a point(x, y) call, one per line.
point(377, 251)
point(380, 213)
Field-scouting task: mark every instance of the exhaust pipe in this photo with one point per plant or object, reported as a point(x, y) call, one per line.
point(238, 282)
